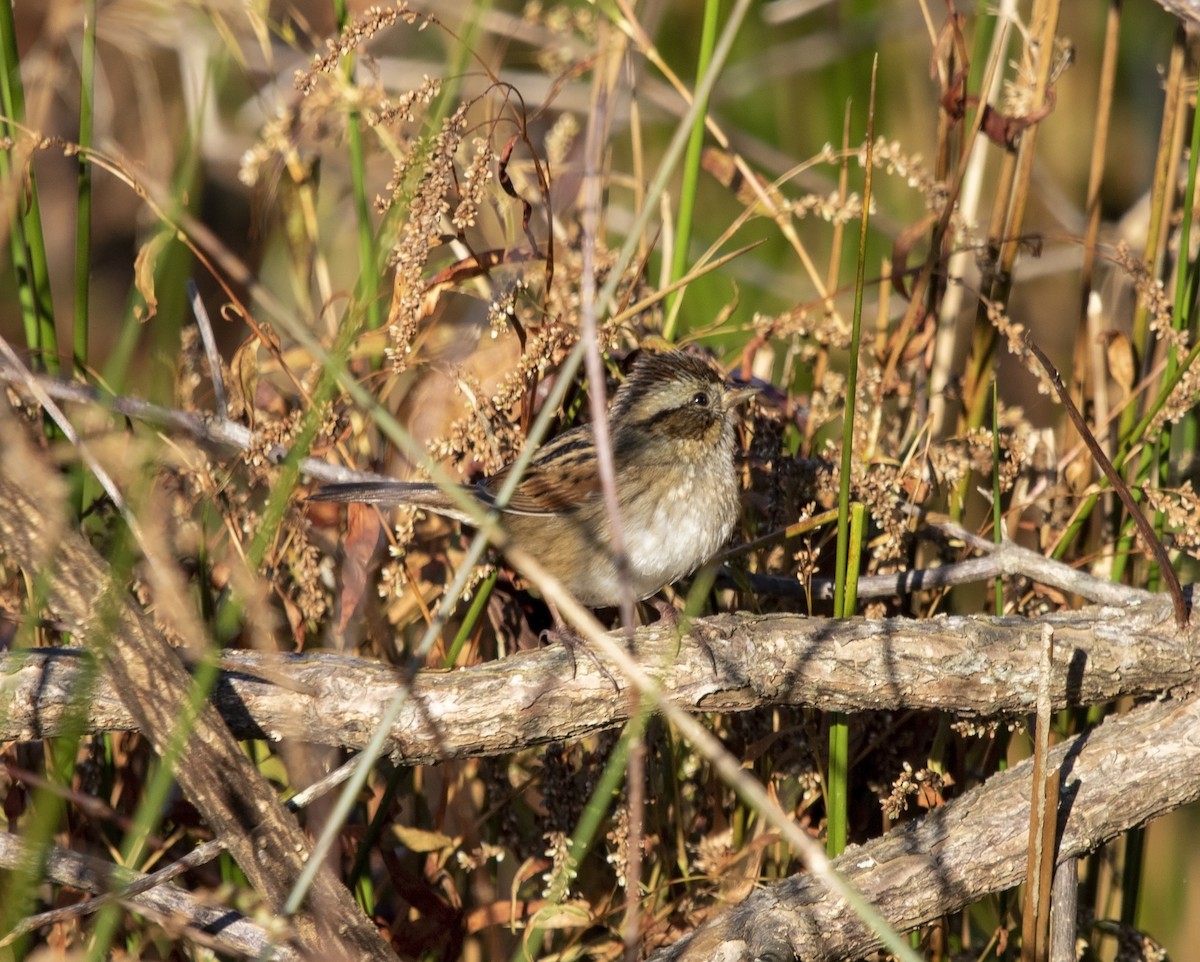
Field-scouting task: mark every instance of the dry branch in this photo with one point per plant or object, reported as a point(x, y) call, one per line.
point(148, 675)
point(210, 925)
point(1123, 773)
point(968, 665)
point(1186, 10)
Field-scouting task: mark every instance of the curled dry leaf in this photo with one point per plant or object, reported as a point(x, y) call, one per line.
point(1122, 363)
point(362, 537)
point(143, 274)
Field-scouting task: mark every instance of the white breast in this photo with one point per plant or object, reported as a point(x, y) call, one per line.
point(668, 538)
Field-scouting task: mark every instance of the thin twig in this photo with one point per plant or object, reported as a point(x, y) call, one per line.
point(1006, 558)
point(203, 322)
point(206, 429)
point(22, 374)
point(1149, 538)
point(604, 83)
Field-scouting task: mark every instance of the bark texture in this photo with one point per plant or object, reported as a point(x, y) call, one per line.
point(972, 666)
point(1121, 774)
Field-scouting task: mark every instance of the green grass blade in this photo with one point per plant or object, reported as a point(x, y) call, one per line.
point(691, 172)
point(83, 191)
point(28, 243)
point(367, 292)
point(997, 515)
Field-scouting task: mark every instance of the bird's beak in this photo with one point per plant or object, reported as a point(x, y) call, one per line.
point(736, 395)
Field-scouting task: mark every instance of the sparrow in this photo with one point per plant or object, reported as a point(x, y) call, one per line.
point(671, 425)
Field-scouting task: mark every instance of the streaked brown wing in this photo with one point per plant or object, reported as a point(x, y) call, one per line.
point(561, 476)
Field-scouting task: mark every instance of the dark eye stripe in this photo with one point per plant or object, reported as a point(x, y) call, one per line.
point(688, 421)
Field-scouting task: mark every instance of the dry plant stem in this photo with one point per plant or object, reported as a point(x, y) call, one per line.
point(208, 430)
point(235, 800)
point(1047, 854)
point(1089, 352)
point(953, 323)
point(972, 666)
point(200, 312)
point(1149, 538)
point(1044, 23)
point(834, 269)
point(1064, 911)
point(608, 69)
point(1039, 866)
point(604, 86)
point(1009, 208)
point(1163, 188)
point(200, 855)
point(214, 927)
point(949, 858)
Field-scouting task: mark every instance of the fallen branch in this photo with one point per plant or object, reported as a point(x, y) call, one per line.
point(1123, 773)
point(973, 666)
point(212, 926)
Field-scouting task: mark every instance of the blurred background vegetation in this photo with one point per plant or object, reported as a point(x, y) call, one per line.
point(208, 163)
point(180, 116)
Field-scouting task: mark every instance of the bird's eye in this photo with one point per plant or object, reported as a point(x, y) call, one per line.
point(700, 398)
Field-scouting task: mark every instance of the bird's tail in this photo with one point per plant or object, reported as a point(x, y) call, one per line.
point(418, 494)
